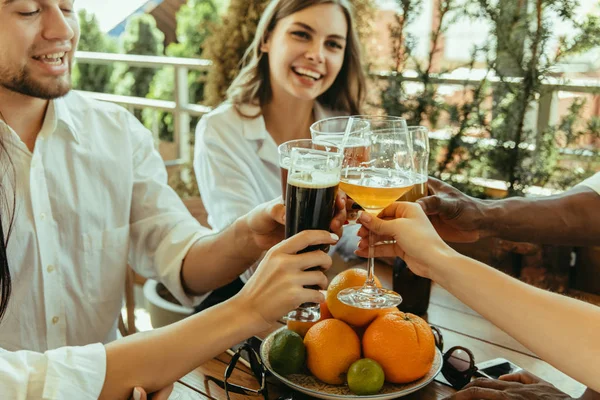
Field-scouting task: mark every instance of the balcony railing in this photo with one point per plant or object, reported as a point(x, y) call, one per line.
point(180, 107)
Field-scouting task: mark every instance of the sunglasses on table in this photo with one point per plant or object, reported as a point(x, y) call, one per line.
point(256, 366)
point(458, 362)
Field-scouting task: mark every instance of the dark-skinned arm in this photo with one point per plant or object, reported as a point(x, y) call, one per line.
point(569, 218)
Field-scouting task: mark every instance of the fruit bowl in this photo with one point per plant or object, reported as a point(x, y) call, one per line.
point(311, 386)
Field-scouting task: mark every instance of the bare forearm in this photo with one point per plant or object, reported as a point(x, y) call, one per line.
point(550, 325)
point(155, 359)
point(216, 260)
point(571, 218)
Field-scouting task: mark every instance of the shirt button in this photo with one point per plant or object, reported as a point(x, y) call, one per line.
point(55, 320)
point(50, 268)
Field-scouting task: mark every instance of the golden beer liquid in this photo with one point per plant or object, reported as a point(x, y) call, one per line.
point(418, 191)
point(373, 189)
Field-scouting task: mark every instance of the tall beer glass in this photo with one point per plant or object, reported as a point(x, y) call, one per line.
point(382, 178)
point(415, 290)
point(332, 130)
point(312, 185)
point(285, 150)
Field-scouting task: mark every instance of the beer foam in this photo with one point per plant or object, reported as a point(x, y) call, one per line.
point(313, 179)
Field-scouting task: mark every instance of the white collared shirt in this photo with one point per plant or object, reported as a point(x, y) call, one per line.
point(593, 182)
point(92, 197)
point(236, 163)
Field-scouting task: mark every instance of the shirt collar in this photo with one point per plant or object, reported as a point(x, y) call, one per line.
point(62, 114)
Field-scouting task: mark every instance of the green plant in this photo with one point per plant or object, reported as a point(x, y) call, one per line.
point(91, 77)
point(195, 21)
point(493, 138)
point(226, 46)
point(141, 37)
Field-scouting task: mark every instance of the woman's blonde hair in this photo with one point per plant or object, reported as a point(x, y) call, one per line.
point(252, 85)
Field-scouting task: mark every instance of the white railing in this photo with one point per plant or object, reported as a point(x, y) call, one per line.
point(180, 107)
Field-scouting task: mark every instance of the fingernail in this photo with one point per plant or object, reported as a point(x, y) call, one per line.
point(365, 216)
point(137, 395)
point(335, 237)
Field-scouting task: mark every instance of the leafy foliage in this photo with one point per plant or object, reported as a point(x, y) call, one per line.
point(141, 37)
point(495, 139)
point(91, 77)
point(195, 22)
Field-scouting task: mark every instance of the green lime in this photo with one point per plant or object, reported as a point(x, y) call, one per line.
point(287, 353)
point(365, 377)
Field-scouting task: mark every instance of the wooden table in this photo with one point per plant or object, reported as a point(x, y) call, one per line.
point(460, 326)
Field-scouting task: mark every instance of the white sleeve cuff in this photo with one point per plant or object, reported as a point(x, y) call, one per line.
point(75, 372)
point(593, 182)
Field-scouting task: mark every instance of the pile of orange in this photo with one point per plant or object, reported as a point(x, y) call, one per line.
point(402, 344)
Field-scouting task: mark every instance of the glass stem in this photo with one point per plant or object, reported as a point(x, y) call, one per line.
point(371, 263)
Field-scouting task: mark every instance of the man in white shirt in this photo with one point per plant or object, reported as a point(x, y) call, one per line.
point(87, 193)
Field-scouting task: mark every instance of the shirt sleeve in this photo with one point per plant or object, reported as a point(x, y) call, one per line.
point(64, 373)
point(226, 184)
point(162, 230)
point(593, 182)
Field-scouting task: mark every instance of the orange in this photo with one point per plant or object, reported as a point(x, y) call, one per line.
point(331, 348)
point(354, 316)
point(302, 327)
point(402, 343)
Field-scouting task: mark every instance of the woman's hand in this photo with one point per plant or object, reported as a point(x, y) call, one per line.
point(277, 286)
point(404, 231)
point(267, 221)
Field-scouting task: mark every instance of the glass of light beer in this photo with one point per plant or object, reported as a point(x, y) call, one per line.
point(415, 290)
point(385, 175)
point(285, 150)
point(312, 185)
point(332, 130)
point(420, 141)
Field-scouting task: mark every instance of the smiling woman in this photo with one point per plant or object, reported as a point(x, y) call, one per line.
point(302, 65)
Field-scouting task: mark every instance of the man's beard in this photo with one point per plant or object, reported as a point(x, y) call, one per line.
point(23, 83)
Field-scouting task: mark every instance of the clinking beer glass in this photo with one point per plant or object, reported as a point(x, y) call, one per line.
point(312, 185)
point(414, 289)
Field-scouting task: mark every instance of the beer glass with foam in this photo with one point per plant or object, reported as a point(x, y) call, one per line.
point(312, 185)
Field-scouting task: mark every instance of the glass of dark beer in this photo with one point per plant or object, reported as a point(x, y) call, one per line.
point(415, 290)
point(332, 130)
point(312, 185)
point(285, 150)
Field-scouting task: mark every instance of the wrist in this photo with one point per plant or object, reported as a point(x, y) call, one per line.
point(251, 317)
point(489, 212)
point(440, 266)
point(245, 243)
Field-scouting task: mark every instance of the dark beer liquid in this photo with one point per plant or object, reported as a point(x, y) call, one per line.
point(414, 289)
point(284, 175)
point(309, 206)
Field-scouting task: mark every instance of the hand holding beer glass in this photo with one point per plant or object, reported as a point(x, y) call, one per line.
point(385, 175)
point(311, 189)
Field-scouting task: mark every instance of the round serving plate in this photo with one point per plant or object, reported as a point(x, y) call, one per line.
point(311, 386)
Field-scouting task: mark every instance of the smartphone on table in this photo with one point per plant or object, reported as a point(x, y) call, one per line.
point(494, 369)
